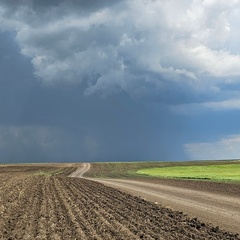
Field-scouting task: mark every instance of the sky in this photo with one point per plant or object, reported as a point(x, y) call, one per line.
point(123, 80)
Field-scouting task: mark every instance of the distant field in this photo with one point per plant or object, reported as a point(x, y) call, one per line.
point(120, 169)
point(211, 172)
point(216, 170)
point(45, 169)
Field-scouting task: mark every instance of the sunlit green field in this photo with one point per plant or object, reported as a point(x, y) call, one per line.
point(212, 172)
point(224, 170)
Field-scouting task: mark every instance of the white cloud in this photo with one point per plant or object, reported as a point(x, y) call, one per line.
point(127, 45)
point(196, 108)
point(225, 148)
point(232, 104)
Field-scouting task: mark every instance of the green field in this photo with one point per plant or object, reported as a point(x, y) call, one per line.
point(120, 169)
point(211, 172)
point(223, 170)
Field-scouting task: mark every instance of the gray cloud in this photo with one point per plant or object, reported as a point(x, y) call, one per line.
point(41, 123)
point(85, 5)
point(94, 80)
point(224, 148)
point(128, 45)
point(59, 126)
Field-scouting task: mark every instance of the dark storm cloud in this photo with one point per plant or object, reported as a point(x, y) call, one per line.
point(133, 46)
point(42, 124)
point(83, 4)
point(84, 75)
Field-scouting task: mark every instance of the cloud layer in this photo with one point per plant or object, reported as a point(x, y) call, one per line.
point(225, 148)
point(143, 58)
point(163, 50)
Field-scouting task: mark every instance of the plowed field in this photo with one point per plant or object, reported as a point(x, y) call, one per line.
point(49, 206)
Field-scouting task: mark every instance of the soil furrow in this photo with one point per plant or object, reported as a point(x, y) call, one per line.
point(43, 222)
point(138, 224)
point(18, 211)
point(57, 219)
point(68, 206)
point(106, 221)
point(107, 208)
point(125, 213)
point(33, 210)
point(49, 207)
point(63, 227)
point(95, 222)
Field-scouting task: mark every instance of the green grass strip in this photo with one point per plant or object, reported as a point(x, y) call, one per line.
point(212, 172)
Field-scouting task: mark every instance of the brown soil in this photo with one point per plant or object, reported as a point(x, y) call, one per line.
point(223, 188)
point(57, 207)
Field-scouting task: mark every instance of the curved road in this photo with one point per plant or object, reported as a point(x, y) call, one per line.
point(81, 170)
point(220, 210)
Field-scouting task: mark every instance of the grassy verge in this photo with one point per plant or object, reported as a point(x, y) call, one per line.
point(211, 172)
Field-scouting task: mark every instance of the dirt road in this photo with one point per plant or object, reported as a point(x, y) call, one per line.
point(80, 171)
point(219, 209)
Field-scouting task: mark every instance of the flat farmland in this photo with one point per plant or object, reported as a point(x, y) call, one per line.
point(41, 202)
point(225, 172)
point(209, 190)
